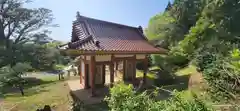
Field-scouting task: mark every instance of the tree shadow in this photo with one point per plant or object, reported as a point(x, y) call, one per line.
point(33, 81)
point(165, 78)
point(166, 83)
point(27, 93)
point(29, 87)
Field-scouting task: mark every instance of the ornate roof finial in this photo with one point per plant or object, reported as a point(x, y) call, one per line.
point(140, 29)
point(78, 15)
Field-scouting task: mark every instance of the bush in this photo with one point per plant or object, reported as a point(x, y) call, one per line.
point(165, 75)
point(124, 98)
point(170, 62)
point(220, 70)
point(140, 64)
point(12, 76)
point(178, 60)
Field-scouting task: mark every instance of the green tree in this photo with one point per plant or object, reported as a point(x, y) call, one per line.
point(171, 25)
point(208, 31)
point(18, 28)
point(169, 6)
point(18, 25)
point(13, 76)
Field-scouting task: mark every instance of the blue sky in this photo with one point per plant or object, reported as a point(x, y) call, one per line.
point(128, 12)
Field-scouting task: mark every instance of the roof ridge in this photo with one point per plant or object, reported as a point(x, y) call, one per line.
point(108, 22)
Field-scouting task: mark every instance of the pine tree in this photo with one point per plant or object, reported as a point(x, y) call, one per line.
point(169, 6)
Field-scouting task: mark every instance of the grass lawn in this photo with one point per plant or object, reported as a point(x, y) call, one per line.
point(52, 92)
point(186, 71)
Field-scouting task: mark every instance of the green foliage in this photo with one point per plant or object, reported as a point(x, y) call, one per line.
point(207, 32)
point(140, 64)
point(40, 57)
point(220, 69)
point(23, 32)
point(59, 67)
point(12, 76)
point(170, 62)
point(124, 98)
point(175, 22)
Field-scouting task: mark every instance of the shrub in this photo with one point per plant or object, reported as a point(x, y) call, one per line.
point(140, 64)
point(12, 76)
point(220, 70)
point(124, 98)
point(165, 75)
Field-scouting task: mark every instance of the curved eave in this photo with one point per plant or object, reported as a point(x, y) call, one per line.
point(76, 52)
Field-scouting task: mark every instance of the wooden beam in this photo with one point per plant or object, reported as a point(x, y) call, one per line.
point(104, 62)
point(124, 58)
point(92, 73)
point(75, 52)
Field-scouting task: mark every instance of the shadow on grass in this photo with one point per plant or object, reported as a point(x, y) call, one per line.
point(26, 93)
point(32, 86)
point(32, 82)
point(166, 83)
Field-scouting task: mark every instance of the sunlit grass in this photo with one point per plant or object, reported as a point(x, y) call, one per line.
point(154, 68)
point(53, 93)
point(187, 70)
point(149, 75)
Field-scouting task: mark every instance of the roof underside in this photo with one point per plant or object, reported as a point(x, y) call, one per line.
point(96, 35)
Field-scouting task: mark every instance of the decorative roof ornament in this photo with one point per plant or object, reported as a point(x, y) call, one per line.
point(140, 29)
point(78, 15)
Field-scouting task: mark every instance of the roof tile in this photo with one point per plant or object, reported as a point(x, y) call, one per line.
point(112, 36)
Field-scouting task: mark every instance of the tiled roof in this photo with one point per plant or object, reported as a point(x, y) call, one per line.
point(93, 35)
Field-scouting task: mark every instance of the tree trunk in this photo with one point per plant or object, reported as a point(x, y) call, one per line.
point(62, 76)
point(21, 90)
point(59, 76)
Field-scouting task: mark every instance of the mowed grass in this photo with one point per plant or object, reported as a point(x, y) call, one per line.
point(52, 92)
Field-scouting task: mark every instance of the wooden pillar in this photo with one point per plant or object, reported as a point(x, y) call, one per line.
point(111, 67)
point(134, 68)
point(92, 73)
point(116, 68)
point(80, 71)
point(86, 76)
point(111, 73)
point(103, 74)
point(124, 70)
point(145, 69)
